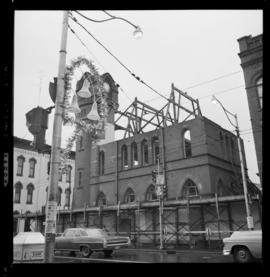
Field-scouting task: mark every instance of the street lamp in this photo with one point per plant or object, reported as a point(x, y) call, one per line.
point(51, 207)
point(250, 223)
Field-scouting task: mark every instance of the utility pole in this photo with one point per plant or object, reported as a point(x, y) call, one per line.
point(249, 216)
point(51, 207)
point(160, 208)
point(250, 223)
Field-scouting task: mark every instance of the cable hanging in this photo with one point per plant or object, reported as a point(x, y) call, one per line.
point(133, 74)
point(139, 79)
point(97, 60)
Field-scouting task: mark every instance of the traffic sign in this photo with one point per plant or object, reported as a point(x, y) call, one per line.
point(160, 179)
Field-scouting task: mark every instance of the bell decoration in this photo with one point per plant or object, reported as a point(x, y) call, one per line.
point(93, 114)
point(74, 108)
point(84, 91)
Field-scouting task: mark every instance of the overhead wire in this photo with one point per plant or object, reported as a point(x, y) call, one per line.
point(134, 75)
point(140, 80)
point(100, 64)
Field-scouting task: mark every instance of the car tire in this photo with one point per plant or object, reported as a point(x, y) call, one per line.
point(108, 253)
point(86, 251)
point(241, 254)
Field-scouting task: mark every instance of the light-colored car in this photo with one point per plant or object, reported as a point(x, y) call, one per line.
point(89, 240)
point(245, 246)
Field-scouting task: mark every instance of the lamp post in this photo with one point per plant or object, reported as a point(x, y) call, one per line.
point(236, 126)
point(51, 207)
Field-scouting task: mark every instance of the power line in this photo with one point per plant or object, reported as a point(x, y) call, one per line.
point(217, 78)
point(136, 77)
point(93, 20)
point(97, 59)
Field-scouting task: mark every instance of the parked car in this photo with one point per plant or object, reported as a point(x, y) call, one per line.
point(245, 246)
point(89, 240)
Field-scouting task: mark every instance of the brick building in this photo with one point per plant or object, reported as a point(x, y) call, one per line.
point(251, 56)
point(198, 159)
point(31, 180)
point(196, 153)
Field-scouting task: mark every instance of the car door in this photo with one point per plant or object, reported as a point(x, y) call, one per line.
point(256, 245)
point(63, 242)
point(76, 240)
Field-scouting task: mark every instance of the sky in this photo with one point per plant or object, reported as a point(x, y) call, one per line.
point(197, 50)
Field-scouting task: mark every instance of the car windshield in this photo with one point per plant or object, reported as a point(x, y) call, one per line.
point(96, 232)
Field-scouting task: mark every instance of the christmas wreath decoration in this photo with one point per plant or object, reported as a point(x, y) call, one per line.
point(94, 129)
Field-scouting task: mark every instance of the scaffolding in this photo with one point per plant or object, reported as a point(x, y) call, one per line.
point(199, 222)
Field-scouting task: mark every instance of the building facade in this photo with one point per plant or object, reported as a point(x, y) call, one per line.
point(121, 171)
point(31, 180)
point(251, 56)
point(115, 184)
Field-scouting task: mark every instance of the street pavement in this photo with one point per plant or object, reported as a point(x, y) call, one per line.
point(150, 256)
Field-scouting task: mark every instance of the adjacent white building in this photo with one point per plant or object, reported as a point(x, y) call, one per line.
point(31, 180)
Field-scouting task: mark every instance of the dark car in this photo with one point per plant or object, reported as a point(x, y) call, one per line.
point(89, 240)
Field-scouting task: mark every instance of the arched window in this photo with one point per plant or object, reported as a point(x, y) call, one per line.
point(80, 179)
point(18, 188)
point(222, 146)
point(68, 173)
point(155, 149)
point(59, 194)
point(29, 198)
point(144, 147)
point(124, 156)
point(32, 165)
point(187, 144)
point(190, 189)
point(101, 159)
point(134, 154)
point(67, 194)
point(129, 196)
point(20, 161)
point(259, 91)
point(151, 193)
point(101, 199)
point(48, 167)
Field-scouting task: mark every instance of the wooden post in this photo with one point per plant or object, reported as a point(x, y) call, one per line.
point(100, 218)
point(70, 216)
point(154, 225)
point(230, 216)
point(218, 216)
point(177, 225)
point(188, 219)
point(203, 222)
point(75, 220)
point(84, 211)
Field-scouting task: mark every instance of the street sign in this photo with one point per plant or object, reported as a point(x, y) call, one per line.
point(160, 179)
point(158, 191)
point(250, 222)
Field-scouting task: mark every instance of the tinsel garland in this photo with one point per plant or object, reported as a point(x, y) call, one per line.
point(83, 125)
